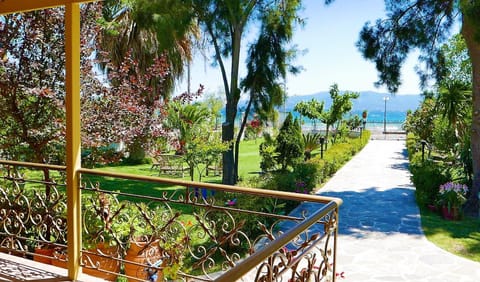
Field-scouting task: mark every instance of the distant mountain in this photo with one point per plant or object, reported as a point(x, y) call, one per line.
point(368, 100)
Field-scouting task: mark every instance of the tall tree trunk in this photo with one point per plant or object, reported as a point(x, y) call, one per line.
point(240, 133)
point(228, 129)
point(326, 136)
point(468, 32)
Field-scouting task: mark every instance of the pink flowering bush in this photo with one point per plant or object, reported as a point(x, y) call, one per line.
point(452, 194)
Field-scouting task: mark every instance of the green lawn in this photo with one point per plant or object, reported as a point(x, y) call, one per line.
point(249, 165)
point(458, 237)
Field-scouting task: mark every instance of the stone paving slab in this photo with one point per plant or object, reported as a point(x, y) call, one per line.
point(380, 233)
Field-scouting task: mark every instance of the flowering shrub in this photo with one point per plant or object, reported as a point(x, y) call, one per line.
point(301, 187)
point(253, 129)
point(452, 194)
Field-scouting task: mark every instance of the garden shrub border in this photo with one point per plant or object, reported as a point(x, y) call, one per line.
point(310, 175)
point(426, 174)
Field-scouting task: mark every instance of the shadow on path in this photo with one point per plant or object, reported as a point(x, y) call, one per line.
point(373, 210)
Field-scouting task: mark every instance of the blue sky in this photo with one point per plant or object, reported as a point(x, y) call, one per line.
point(329, 37)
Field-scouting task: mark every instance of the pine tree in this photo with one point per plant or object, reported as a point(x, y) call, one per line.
point(290, 146)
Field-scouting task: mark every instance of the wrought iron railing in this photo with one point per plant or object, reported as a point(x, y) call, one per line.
point(155, 228)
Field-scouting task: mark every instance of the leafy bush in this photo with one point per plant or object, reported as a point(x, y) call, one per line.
point(268, 154)
point(427, 176)
point(290, 146)
point(444, 135)
point(307, 175)
point(411, 143)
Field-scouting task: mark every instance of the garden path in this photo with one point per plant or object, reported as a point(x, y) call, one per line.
point(380, 235)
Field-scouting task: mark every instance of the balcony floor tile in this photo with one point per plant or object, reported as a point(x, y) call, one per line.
point(13, 269)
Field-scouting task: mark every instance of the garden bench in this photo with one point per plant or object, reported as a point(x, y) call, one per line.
point(169, 164)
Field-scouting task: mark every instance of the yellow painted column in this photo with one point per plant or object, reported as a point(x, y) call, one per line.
point(72, 100)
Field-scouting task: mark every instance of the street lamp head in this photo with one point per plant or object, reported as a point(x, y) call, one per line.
point(386, 98)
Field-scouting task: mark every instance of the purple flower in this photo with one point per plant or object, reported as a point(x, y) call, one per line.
point(452, 194)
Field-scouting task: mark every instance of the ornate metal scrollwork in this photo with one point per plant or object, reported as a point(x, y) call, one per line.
point(187, 234)
point(32, 210)
point(307, 258)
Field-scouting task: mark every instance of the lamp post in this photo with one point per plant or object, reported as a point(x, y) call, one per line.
point(424, 143)
point(322, 141)
point(386, 98)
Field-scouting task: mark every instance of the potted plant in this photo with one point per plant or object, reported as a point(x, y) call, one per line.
point(156, 249)
point(105, 227)
point(451, 198)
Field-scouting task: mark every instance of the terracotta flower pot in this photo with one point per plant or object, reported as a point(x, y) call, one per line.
point(108, 263)
point(138, 253)
point(46, 255)
point(451, 214)
point(59, 259)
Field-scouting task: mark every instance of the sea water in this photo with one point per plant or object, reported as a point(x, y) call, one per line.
point(375, 121)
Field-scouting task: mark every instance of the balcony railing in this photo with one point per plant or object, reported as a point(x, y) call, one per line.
point(146, 228)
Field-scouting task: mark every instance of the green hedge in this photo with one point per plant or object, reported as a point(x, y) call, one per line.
point(307, 175)
point(337, 155)
point(427, 175)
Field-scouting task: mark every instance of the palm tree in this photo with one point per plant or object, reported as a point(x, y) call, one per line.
point(454, 101)
point(184, 119)
point(312, 142)
point(126, 30)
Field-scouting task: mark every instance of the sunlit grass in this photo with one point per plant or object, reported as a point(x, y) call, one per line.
point(458, 237)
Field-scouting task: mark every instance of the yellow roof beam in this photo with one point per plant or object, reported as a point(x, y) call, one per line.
point(16, 6)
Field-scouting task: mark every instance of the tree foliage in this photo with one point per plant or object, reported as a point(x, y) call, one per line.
point(409, 24)
point(310, 109)
point(126, 29)
point(224, 24)
point(183, 119)
point(267, 64)
point(128, 32)
point(290, 146)
point(32, 85)
point(341, 104)
point(420, 122)
point(117, 109)
point(191, 127)
point(120, 112)
point(454, 63)
point(425, 25)
point(454, 86)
